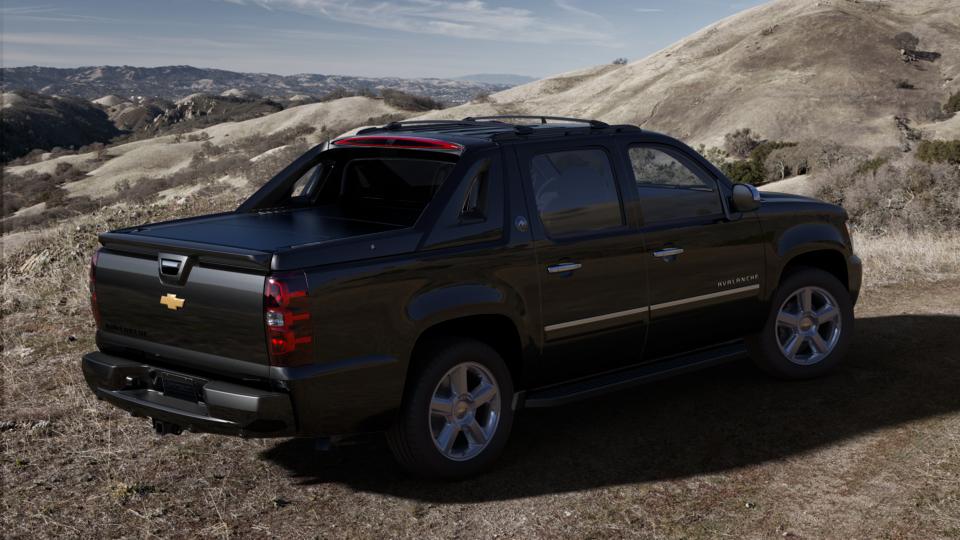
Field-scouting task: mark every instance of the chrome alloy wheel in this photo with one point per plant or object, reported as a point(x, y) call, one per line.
point(808, 326)
point(464, 411)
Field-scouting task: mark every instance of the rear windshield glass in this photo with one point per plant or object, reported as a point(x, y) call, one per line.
point(410, 183)
point(385, 189)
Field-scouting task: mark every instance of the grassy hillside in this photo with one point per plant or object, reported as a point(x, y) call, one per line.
point(789, 69)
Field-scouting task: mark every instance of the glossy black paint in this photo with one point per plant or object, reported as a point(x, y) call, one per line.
point(376, 290)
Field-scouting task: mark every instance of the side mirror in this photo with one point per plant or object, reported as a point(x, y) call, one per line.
point(746, 198)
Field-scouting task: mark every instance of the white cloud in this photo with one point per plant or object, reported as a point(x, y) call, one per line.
point(129, 43)
point(56, 39)
point(50, 14)
point(472, 19)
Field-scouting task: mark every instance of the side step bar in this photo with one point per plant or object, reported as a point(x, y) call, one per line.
point(564, 393)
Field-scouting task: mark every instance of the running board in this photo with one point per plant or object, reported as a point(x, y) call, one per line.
point(564, 393)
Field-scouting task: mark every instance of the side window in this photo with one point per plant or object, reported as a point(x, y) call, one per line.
point(308, 184)
point(575, 192)
point(474, 204)
point(669, 189)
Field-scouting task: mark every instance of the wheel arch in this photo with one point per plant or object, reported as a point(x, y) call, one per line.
point(831, 261)
point(816, 245)
point(497, 330)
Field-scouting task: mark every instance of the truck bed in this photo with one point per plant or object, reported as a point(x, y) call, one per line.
point(266, 231)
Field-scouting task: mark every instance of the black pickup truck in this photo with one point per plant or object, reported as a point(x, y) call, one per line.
point(430, 279)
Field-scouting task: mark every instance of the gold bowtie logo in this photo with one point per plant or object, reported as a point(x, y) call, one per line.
point(172, 302)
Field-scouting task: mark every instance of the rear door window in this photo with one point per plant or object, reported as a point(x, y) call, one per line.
point(576, 192)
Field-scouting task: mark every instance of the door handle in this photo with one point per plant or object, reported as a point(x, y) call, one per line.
point(564, 267)
point(668, 252)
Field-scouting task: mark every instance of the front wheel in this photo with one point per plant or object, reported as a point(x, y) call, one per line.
point(808, 328)
point(457, 415)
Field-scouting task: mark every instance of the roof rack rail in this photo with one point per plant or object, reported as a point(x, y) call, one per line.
point(400, 124)
point(597, 124)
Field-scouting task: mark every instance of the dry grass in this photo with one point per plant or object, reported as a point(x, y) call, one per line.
point(908, 257)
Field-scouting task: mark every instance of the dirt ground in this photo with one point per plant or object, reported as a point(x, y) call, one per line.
point(872, 451)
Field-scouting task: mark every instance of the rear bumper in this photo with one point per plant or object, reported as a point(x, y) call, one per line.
point(219, 407)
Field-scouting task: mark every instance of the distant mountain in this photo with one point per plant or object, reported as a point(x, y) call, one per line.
point(29, 120)
point(506, 79)
point(176, 82)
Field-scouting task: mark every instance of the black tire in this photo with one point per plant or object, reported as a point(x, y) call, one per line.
point(764, 347)
point(411, 438)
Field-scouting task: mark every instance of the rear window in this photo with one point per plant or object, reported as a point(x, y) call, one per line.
point(410, 183)
point(358, 184)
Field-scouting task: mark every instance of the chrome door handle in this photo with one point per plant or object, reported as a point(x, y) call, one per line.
point(564, 267)
point(668, 252)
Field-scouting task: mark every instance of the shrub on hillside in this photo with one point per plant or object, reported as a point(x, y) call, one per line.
point(341, 92)
point(410, 102)
point(953, 104)
point(907, 196)
point(806, 157)
point(713, 154)
point(383, 119)
point(939, 151)
point(31, 188)
point(756, 169)
point(67, 172)
point(740, 143)
point(906, 41)
point(871, 166)
point(619, 61)
point(744, 171)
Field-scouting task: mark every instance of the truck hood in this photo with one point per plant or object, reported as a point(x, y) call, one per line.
point(774, 196)
point(783, 201)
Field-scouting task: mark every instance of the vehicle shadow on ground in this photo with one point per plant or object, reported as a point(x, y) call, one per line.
point(900, 368)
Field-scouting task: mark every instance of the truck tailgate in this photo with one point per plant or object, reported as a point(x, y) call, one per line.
point(208, 317)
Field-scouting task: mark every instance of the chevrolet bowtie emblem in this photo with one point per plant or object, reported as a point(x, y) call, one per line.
point(172, 302)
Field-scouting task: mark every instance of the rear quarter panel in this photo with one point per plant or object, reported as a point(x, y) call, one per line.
point(368, 316)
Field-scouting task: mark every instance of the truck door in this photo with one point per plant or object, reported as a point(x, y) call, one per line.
point(590, 260)
point(705, 270)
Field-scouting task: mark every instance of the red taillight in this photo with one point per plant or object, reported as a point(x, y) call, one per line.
point(286, 316)
point(93, 287)
point(413, 143)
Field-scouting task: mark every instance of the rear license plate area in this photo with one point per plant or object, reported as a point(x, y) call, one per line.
point(181, 387)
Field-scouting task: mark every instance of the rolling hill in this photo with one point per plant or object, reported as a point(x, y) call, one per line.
point(789, 70)
point(29, 120)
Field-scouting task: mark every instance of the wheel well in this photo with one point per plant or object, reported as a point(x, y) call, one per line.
point(497, 331)
point(827, 260)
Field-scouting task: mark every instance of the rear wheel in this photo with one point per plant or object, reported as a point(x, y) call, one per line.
point(808, 327)
point(457, 414)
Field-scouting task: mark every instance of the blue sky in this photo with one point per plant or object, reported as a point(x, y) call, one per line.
point(407, 38)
